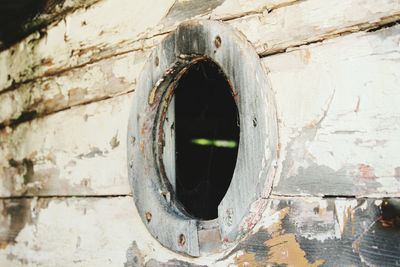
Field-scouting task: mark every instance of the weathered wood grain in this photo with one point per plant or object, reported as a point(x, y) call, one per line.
point(51, 11)
point(349, 149)
point(49, 94)
point(95, 34)
point(93, 82)
point(339, 116)
point(312, 21)
point(109, 232)
point(78, 151)
point(328, 232)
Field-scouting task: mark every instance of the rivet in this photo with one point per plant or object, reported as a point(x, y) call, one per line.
point(255, 122)
point(148, 217)
point(133, 140)
point(217, 41)
point(182, 240)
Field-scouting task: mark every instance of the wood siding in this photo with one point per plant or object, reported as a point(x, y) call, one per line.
point(65, 96)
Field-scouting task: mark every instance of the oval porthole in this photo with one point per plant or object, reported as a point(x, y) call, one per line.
point(202, 138)
point(206, 125)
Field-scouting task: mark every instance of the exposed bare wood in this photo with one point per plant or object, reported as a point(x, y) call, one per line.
point(312, 21)
point(88, 36)
point(339, 116)
point(78, 151)
point(94, 34)
point(348, 74)
point(51, 94)
point(295, 231)
point(93, 82)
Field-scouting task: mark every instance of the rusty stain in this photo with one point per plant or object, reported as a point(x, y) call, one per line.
point(366, 171)
point(142, 146)
point(143, 131)
point(148, 216)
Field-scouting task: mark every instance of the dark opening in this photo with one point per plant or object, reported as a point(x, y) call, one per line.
point(207, 138)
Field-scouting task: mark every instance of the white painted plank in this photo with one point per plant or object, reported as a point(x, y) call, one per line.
point(339, 118)
point(314, 20)
point(74, 152)
point(96, 33)
point(93, 82)
point(350, 144)
point(105, 29)
point(74, 232)
point(109, 232)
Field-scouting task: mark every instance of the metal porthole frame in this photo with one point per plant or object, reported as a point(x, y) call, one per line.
point(251, 183)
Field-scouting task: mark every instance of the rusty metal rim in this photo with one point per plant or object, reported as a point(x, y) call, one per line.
point(157, 206)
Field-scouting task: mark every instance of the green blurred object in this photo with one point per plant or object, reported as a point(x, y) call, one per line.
point(216, 143)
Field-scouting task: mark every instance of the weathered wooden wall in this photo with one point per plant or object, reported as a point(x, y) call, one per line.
point(64, 102)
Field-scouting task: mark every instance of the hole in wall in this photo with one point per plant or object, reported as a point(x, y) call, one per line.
point(206, 139)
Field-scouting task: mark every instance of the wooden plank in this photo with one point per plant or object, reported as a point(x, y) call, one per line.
point(69, 232)
point(74, 152)
point(339, 116)
point(291, 231)
point(331, 154)
point(76, 42)
point(323, 232)
point(101, 79)
point(96, 33)
point(313, 21)
point(93, 82)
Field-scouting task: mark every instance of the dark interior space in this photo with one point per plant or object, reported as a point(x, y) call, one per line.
point(207, 138)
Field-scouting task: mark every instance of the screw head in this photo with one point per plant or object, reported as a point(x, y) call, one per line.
point(182, 240)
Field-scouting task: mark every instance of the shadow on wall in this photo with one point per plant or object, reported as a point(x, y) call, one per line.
point(18, 18)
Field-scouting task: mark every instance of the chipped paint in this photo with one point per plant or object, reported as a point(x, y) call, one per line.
point(344, 152)
point(284, 249)
point(348, 147)
point(246, 259)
